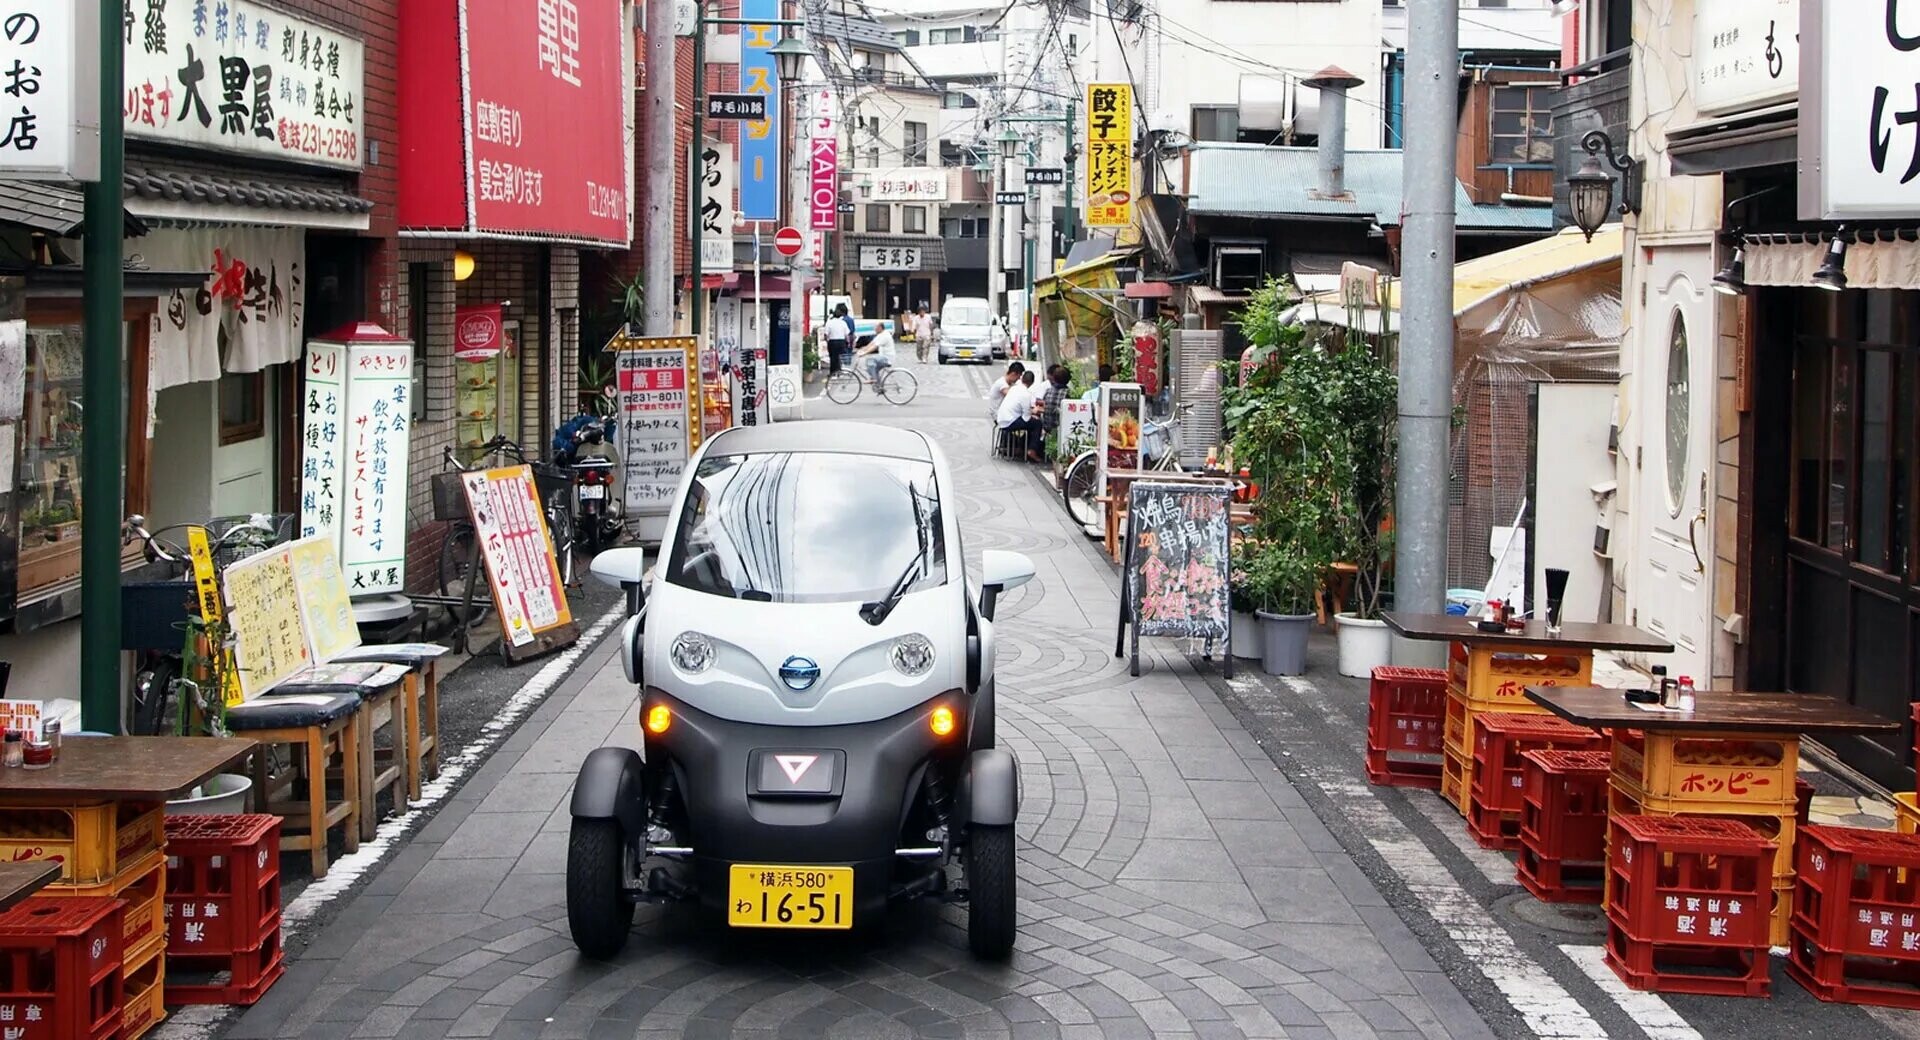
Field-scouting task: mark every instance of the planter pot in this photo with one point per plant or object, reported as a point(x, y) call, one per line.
point(1283, 643)
point(1364, 645)
point(1246, 635)
point(224, 794)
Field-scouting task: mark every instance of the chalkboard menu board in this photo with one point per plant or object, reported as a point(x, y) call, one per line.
point(1177, 565)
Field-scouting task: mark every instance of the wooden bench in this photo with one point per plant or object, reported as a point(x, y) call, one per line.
point(325, 729)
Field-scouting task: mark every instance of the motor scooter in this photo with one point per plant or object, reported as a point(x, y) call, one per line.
point(597, 518)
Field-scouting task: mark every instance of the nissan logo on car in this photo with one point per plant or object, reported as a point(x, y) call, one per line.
point(799, 673)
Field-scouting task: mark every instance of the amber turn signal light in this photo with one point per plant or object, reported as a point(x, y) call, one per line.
point(941, 721)
point(658, 719)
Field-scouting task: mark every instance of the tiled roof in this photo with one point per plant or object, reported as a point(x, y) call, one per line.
point(166, 182)
point(57, 209)
point(1251, 180)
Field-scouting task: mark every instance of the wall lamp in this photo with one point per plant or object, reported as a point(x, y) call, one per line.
point(1590, 188)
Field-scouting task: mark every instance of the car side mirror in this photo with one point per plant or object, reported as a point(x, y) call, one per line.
point(1001, 571)
point(626, 569)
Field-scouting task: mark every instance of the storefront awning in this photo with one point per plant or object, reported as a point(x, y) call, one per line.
point(1875, 260)
point(1088, 294)
point(56, 209)
point(933, 250)
point(182, 193)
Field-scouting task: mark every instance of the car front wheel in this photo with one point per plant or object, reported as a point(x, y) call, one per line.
point(990, 890)
point(598, 912)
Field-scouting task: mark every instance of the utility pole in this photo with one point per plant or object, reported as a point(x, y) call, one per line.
point(1426, 323)
point(657, 261)
point(103, 435)
point(797, 340)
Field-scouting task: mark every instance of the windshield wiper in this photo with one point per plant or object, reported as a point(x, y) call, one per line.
point(875, 612)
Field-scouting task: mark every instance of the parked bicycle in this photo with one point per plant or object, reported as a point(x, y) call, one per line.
point(154, 613)
point(1081, 488)
point(896, 385)
point(463, 592)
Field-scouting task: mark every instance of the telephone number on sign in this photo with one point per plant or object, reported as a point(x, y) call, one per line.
point(325, 142)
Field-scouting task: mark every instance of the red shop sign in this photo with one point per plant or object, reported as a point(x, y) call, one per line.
point(476, 332)
point(543, 122)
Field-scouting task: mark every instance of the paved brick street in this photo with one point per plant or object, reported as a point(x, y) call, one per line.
point(1173, 881)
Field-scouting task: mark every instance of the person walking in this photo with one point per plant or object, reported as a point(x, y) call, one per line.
point(839, 339)
point(922, 333)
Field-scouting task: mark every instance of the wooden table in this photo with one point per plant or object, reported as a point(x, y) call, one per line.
point(20, 880)
point(1119, 480)
point(123, 769)
point(1492, 668)
point(1735, 754)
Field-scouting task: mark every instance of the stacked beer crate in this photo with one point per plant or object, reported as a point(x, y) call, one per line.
point(1750, 780)
point(1406, 710)
point(1563, 825)
point(1856, 916)
point(1906, 802)
point(223, 908)
point(1686, 905)
point(1496, 797)
point(1483, 679)
point(62, 969)
point(107, 851)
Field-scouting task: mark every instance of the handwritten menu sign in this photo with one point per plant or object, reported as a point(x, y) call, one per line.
point(1176, 563)
point(320, 438)
point(658, 430)
point(512, 529)
point(263, 609)
point(357, 419)
point(325, 606)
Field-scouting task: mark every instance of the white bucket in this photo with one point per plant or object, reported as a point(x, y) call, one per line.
point(224, 793)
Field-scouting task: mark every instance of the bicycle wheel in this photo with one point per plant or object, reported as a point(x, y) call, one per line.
point(560, 527)
point(843, 387)
point(456, 555)
point(1081, 487)
point(898, 386)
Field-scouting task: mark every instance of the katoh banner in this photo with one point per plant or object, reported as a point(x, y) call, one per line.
point(715, 209)
point(49, 91)
point(823, 163)
point(1109, 126)
point(477, 332)
point(237, 76)
point(760, 170)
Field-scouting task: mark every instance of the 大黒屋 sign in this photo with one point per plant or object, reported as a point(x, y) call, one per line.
point(715, 209)
point(357, 420)
point(656, 413)
point(1109, 126)
point(1746, 53)
point(49, 90)
point(237, 76)
point(1859, 109)
point(909, 184)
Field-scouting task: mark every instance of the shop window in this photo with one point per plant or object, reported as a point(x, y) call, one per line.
point(913, 219)
point(1521, 125)
point(1216, 123)
point(1679, 413)
point(243, 407)
point(915, 147)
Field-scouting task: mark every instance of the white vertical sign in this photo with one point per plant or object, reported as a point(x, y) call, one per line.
point(323, 419)
point(356, 425)
point(49, 90)
point(715, 163)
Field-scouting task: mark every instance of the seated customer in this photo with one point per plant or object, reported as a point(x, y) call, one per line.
point(1015, 416)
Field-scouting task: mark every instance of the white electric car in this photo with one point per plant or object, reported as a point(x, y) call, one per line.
point(817, 699)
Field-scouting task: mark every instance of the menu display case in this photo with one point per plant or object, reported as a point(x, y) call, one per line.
point(487, 394)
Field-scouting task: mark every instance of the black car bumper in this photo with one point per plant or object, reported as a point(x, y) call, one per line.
point(741, 808)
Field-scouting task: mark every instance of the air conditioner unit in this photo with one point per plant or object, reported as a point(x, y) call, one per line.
point(1239, 264)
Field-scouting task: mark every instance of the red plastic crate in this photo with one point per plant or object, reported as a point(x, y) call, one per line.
point(60, 968)
point(1689, 881)
point(1406, 714)
point(1500, 739)
point(1802, 800)
point(239, 978)
point(223, 883)
point(1850, 979)
point(1858, 891)
point(1725, 971)
point(1563, 825)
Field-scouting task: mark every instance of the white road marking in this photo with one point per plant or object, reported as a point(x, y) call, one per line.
point(1495, 865)
point(1654, 1016)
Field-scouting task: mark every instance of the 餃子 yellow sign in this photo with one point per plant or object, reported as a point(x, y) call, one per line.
point(1109, 155)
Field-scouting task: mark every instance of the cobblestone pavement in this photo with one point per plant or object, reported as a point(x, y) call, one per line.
point(1173, 881)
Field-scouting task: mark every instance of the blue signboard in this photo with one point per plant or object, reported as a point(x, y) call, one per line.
point(760, 178)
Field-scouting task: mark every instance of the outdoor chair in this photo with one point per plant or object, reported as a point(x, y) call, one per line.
point(420, 705)
point(321, 728)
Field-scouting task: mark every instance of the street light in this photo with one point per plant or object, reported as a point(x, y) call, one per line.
point(1590, 188)
point(1009, 142)
point(789, 55)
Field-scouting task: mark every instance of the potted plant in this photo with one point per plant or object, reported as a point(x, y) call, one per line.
point(1240, 598)
point(1280, 578)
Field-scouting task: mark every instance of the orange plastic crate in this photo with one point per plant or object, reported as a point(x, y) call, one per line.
point(1494, 677)
point(143, 886)
point(145, 1005)
point(1693, 774)
point(92, 843)
point(1456, 780)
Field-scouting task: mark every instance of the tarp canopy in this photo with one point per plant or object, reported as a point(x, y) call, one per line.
point(1087, 295)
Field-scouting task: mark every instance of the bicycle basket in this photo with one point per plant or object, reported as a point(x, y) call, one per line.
point(243, 546)
point(449, 497)
point(152, 614)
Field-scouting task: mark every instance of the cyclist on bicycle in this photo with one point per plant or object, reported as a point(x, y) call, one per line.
point(876, 355)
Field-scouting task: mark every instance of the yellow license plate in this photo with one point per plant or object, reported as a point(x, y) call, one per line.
point(790, 897)
point(966, 353)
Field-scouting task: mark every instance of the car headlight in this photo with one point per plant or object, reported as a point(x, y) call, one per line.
point(912, 655)
point(692, 652)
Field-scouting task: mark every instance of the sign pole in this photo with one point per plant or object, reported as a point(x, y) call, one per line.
point(103, 435)
point(696, 177)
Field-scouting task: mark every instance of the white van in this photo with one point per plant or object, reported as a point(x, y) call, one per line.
point(970, 331)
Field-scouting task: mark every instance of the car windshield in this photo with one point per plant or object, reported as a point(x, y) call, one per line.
point(808, 527)
point(965, 314)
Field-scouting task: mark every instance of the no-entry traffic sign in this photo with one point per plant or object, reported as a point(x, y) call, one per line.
point(787, 241)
